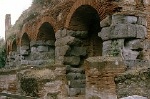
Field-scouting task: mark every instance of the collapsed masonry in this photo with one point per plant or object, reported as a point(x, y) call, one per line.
point(78, 56)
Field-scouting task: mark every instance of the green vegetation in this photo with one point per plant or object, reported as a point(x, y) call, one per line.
point(2, 53)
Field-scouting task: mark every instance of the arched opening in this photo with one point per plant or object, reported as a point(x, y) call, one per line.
point(46, 32)
point(25, 49)
point(85, 18)
point(43, 50)
point(25, 41)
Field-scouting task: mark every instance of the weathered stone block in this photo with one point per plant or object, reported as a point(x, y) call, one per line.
point(141, 31)
point(75, 70)
point(63, 50)
point(77, 84)
point(122, 19)
point(112, 47)
point(33, 49)
point(129, 54)
point(68, 40)
point(59, 60)
point(142, 21)
point(123, 31)
point(42, 48)
point(106, 22)
point(106, 47)
point(79, 34)
point(118, 31)
point(60, 33)
point(74, 91)
point(24, 47)
point(75, 76)
point(105, 33)
point(33, 44)
point(50, 42)
point(72, 60)
point(24, 52)
point(135, 44)
point(78, 51)
point(24, 62)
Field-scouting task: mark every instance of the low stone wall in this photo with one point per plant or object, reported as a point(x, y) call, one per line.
point(44, 82)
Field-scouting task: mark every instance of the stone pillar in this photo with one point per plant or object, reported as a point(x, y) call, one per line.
point(24, 54)
point(69, 52)
point(100, 73)
point(123, 35)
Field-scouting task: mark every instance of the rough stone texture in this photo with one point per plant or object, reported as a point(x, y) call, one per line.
point(100, 73)
point(73, 60)
point(141, 31)
point(123, 31)
point(129, 54)
point(74, 21)
point(78, 34)
point(24, 52)
point(134, 97)
point(119, 19)
point(42, 48)
point(135, 44)
point(113, 47)
point(63, 50)
point(8, 83)
point(68, 40)
point(106, 22)
point(137, 79)
point(78, 51)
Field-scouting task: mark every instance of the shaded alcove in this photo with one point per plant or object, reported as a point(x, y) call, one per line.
point(46, 32)
point(25, 41)
point(86, 18)
point(14, 46)
point(45, 42)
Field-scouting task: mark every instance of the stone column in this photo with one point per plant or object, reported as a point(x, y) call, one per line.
point(24, 53)
point(69, 52)
point(123, 35)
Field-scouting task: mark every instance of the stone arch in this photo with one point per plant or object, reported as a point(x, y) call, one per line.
point(76, 5)
point(46, 32)
point(84, 25)
point(45, 20)
point(25, 41)
point(43, 48)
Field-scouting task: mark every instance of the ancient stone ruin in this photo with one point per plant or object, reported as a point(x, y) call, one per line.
point(79, 49)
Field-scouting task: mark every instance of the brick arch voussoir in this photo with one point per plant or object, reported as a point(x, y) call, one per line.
point(48, 19)
point(77, 4)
